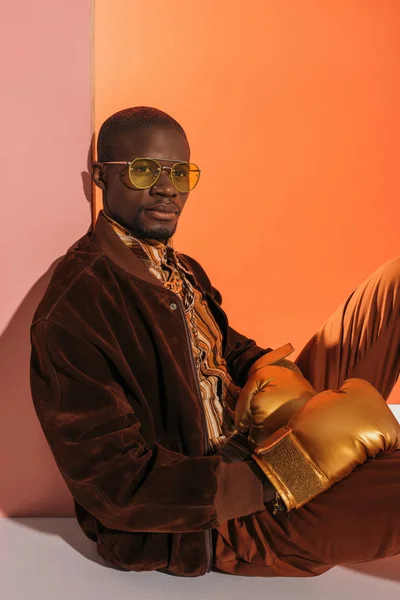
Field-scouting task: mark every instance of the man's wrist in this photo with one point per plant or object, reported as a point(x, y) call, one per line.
point(269, 492)
point(239, 490)
point(238, 450)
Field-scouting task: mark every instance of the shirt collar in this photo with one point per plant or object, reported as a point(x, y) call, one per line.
point(147, 249)
point(121, 255)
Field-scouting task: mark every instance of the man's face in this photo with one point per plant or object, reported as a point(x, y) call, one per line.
point(134, 208)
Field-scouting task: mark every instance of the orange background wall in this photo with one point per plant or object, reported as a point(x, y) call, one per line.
point(302, 96)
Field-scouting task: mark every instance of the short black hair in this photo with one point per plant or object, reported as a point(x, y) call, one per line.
point(130, 120)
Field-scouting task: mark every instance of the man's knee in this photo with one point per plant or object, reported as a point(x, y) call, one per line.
point(385, 282)
point(389, 273)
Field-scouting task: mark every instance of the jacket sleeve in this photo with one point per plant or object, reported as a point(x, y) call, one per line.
point(109, 469)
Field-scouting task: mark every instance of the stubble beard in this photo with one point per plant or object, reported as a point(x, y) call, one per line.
point(158, 232)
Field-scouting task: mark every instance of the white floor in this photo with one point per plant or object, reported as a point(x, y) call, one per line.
point(51, 559)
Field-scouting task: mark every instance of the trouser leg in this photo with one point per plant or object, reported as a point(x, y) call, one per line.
point(358, 519)
point(361, 338)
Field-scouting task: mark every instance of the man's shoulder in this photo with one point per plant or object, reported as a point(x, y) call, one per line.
point(72, 273)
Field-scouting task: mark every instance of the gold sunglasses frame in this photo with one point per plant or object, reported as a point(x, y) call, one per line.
point(173, 160)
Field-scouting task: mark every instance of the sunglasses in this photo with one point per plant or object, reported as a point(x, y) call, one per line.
point(145, 172)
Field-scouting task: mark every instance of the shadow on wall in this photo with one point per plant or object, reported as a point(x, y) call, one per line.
point(30, 483)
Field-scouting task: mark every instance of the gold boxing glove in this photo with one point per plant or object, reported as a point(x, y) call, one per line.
point(271, 396)
point(335, 431)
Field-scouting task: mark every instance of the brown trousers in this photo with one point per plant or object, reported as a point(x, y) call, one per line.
point(358, 519)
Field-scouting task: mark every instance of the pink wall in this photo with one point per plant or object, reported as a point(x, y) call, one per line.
point(45, 124)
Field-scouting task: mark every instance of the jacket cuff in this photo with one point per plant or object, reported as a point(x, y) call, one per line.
point(240, 490)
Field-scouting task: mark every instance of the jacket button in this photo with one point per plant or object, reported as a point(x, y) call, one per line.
point(173, 306)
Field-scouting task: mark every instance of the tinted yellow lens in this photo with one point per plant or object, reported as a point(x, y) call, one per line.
point(185, 176)
point(144, 172)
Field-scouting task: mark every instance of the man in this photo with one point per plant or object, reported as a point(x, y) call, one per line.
point(187, 447)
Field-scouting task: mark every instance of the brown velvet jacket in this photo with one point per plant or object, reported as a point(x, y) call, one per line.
point(116, 393)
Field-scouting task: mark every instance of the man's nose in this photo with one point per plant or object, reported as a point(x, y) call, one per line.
point(164, 185)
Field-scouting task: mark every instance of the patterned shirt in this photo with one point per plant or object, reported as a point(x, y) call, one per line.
point(218, 391)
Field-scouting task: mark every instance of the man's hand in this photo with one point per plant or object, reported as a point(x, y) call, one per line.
point(335, 431)
point(271, 396)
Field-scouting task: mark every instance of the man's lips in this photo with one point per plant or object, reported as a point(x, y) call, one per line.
point(163, 208)
point(162, 212)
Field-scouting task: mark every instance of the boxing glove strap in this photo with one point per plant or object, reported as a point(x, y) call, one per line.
point(290, 469)
point(271, 358)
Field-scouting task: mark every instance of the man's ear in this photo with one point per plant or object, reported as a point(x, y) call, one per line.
point(98, 175)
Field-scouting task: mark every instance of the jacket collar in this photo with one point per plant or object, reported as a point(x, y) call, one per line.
point(121, 255)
